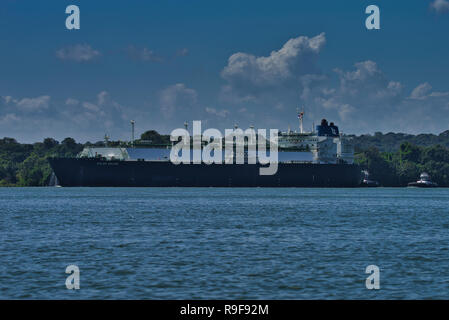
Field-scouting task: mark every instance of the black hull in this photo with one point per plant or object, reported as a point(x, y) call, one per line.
point(74, 172)
point(422, 185)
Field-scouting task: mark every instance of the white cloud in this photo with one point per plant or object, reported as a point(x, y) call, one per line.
point(7, 99)
point(176, 97)
point(143, 54)
point(424, 91)
point(104, 110)
point(344, 111)
point(365, 100)
point(440, 6)
point(279, 106)
point(101, 113)
point(421, 92)
point(439, 94)
point(272, 79)
point(91, 107)
point(359, 96)
point(293, 59)
point(78, 53)
point(71, 102)
point(220, 113)
point(182, 52)
point(369, 81)
point(32, 104)
point(101, 97)
point(9, 119)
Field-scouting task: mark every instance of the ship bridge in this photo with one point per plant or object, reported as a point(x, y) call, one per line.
point(107, 153)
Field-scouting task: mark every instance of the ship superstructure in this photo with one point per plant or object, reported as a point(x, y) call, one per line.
point(326, 144)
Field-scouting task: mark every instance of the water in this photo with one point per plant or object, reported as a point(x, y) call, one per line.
point(210, 243)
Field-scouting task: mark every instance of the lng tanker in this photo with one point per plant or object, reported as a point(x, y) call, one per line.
point(321, 158)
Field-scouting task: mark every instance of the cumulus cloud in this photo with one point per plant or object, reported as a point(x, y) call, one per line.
point(365, 99)
point(176, 97)
point(294, 58)
point(81, 118)
point(102, 97)
point(7, 99)
point(92, 107)
point(440, 6)
point(182, 52)
point(71, 102)
point(78, 53)
point(366, 87)
point(104, 110)
point(9, 119)
point(28, 104)
point(360, 98)
point(219, 113)
point(97, 116)
point(367, 79)
point(33, 104)
point(421, 92)
point(355, 99)
point(143, 54)
point(249, 76)
point(424, 91)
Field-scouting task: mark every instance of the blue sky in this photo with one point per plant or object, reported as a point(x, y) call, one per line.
point(222, 62)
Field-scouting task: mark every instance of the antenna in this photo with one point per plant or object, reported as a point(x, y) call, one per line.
point(186, 124)
point(132, 132)
point(300, 116)
point(106, 139)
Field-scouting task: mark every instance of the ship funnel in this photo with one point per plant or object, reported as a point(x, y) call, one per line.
point(132, 132)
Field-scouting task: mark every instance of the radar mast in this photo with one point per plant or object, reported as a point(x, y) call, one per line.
point(300, 117)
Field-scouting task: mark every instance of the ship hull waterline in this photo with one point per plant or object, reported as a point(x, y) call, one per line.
point(88, 172)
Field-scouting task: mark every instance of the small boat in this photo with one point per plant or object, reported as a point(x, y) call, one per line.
point(367, 182)
point(423, 182)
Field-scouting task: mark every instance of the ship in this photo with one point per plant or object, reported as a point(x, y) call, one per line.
point(323, 157)
point(367, 182)
point(424, 182)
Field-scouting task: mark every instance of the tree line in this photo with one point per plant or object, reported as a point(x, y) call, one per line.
point(395, 169)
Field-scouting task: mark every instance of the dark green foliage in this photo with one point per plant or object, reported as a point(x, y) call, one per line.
point(50, 143)
point(378, 165)
point(405, 165)
point(27, 165)
point(391, 142)
point(154, 137)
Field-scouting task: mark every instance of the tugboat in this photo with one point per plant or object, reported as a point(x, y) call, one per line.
point(367, 182)
point(423, 182)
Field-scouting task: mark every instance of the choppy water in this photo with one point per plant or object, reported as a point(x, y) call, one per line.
point(212, 243)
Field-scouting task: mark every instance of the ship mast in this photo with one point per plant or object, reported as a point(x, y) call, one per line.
point(300, 116)
point(106, 140)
